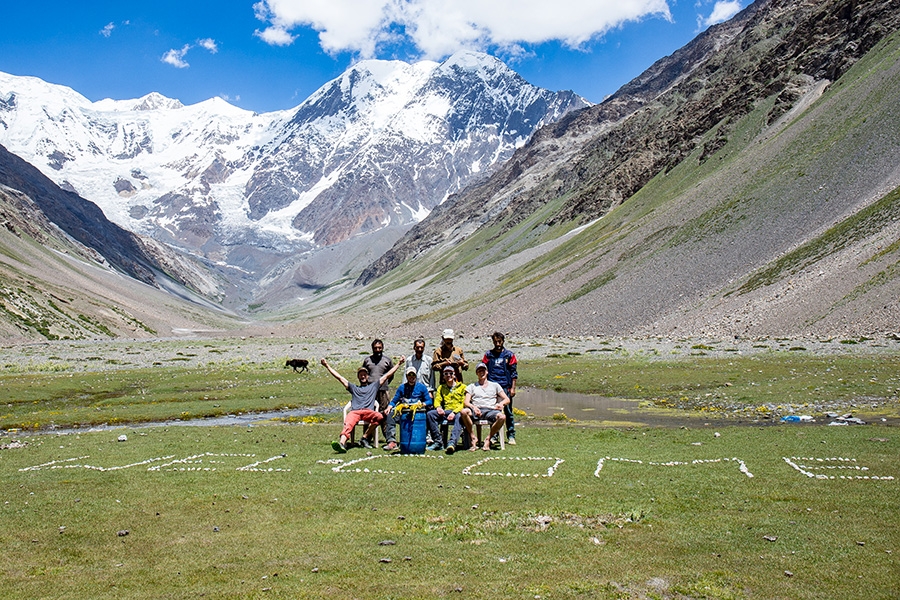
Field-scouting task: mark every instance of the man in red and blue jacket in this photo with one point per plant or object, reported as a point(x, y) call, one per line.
point(502, 369)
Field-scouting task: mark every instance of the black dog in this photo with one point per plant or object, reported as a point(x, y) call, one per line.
point(297, 363)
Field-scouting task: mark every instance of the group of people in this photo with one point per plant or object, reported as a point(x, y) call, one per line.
point(451, 402)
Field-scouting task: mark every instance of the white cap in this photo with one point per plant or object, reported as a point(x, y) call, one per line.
point(448, 334)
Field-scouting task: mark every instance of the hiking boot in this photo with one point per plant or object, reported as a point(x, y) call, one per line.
point(390, 446)
point(365, 443)
point(339, 447)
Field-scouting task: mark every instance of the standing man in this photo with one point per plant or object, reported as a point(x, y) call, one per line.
point(422, 365)
point(449, 354)
point(363, 406)
point(377, 365)
point(502, 369)
point(484, 400)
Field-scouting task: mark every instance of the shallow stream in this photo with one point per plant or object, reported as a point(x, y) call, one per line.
point(543, 404)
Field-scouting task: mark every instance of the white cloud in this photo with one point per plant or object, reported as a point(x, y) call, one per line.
point(176, 57)
point(107, 29)
point(209, 44)
point(440, 27)
point(722, 11)
point(275, 36)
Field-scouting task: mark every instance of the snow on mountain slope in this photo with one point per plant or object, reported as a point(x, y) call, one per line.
point(127, 155)
point(379, 146)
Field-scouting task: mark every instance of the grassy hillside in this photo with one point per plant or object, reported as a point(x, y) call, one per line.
point(789, 227)
point(52, 287)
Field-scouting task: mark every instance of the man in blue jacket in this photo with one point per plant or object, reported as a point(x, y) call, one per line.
point(502, 369)
point(410, 392)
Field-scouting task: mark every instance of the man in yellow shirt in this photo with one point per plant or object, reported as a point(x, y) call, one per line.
point(448, 402)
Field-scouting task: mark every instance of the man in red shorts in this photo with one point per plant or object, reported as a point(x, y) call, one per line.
point(363, 404)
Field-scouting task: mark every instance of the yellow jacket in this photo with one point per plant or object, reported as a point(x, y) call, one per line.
point(450, 398)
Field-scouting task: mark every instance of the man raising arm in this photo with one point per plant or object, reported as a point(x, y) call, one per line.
point(363, 405)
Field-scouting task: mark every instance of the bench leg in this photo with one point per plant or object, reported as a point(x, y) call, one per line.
point(444, 433)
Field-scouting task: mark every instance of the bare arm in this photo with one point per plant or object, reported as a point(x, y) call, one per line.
point(335, 374)
point(504, 399)
point(393, 370)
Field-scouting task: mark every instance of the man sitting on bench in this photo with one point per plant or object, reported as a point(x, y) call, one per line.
point(484, 400)
point(363, 404)
point(449, 399)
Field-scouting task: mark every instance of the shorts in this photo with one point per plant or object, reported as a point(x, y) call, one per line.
point(488, 415)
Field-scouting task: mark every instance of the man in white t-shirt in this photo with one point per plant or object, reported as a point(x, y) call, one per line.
point(484, 400)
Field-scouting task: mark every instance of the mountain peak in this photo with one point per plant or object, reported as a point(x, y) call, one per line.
point(156, 101)
point(152, 101)
point(374, 149)
point(472, 60)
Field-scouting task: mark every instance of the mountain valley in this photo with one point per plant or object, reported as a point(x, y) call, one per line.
point(746, 186)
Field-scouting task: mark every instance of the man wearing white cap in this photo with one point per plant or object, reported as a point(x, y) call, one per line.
point(484, 400)
point(411, 392)
point(448, 354)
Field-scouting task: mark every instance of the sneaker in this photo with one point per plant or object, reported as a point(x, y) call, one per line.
point(365, 443)
point(390, 446)
point(450, 449)
point(339, 447)
point(511, 441)
point(435, 447)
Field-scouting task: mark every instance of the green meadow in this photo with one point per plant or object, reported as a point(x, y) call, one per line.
point(62, 394)
point(574, 510)
point(272, 512)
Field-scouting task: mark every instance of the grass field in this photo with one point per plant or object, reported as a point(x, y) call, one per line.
point(262, 512)
point(574, 510)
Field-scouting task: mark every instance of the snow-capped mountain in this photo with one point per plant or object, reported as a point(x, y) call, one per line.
point(379, 146)
point(387, 141)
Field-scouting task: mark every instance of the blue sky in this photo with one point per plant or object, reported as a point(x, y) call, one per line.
point(266, 55)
